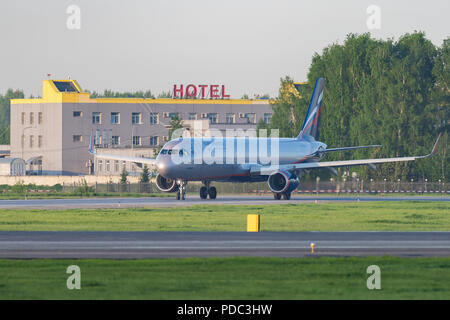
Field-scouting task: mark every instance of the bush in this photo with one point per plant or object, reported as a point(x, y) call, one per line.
point(83, 188)
point(19, 187)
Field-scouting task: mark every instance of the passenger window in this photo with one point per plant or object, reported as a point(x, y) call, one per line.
point(169, 152)
point(163, 151)
point(181, 152)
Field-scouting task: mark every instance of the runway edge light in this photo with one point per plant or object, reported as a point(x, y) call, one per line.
point(253, 223)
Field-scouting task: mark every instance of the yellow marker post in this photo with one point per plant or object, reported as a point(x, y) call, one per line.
point(312, 247)
point(253, 223)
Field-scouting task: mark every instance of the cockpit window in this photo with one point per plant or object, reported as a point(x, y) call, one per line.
point(174, 151)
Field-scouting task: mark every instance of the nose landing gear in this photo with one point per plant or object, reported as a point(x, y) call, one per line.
point(181, 193)
point(206, 191)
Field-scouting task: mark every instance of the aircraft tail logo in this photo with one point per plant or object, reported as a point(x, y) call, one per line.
point(312, 119)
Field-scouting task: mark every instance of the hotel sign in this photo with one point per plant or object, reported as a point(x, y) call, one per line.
point(202, 91)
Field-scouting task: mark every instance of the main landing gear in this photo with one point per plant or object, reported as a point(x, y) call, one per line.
point(206, 191)
point(181, 193)
point(286, 196)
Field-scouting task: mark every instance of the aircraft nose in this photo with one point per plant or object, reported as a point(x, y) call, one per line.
point(163, 165)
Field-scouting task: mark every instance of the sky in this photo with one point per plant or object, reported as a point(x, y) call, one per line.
point(246, 45)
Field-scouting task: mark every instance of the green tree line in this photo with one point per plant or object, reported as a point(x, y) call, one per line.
point(5, 113)
point(394, 93)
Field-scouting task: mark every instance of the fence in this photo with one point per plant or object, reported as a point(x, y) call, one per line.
point(370, 187)
point(306, 187)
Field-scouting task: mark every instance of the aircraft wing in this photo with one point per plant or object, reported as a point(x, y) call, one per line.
point(334, 164)
point(349, 148)
point(147, 161)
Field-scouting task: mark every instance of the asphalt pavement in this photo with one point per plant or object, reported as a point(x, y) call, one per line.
point(138, 245)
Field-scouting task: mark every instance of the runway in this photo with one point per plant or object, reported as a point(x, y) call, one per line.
point(194, 200)
point(138, 245)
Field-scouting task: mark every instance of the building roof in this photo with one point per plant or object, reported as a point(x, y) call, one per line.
point(69, 91)
point(9, 160)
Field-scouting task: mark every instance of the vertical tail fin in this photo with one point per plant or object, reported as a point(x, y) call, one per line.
point(312, 119)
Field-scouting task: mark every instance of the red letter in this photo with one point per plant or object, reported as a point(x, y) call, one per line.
point(223, 93)
point(176, 91)
point(214, 89)
point(202, 88)
point(192, 93)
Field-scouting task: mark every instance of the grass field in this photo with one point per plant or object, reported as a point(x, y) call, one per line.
point(357, 216)
point(227, 278)
point(73, 195)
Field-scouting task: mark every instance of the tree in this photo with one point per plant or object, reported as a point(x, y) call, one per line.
point(5, 101)
point(175, 123)
point(145, 175)
point(165, 94)
point(123, 176)
point(157, 150)
point(262, 125)
point(393, 93)
point(113, 94)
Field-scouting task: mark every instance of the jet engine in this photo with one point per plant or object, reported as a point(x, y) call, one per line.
point(282, 182)
point(166, 185)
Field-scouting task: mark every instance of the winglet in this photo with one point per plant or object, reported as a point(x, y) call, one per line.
point(436, 144)
point(91, 143)
point(435, 147)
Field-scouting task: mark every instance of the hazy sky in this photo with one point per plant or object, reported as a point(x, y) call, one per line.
point(247, 45)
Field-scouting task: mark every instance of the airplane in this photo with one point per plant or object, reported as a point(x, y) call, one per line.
point(293, 157)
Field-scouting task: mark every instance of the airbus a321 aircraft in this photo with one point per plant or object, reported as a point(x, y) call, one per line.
point(238, 159)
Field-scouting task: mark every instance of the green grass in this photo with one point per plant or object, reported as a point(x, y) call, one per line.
point(69, 195)
point(227, 278)
point(357, 216)
point(74, 195)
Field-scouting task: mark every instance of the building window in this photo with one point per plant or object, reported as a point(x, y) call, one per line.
point(136, 141)
point(31, 141)
point(40, 141)
point(153, 141)
point(154, 118)
point(78, 113)
point(230, 117)
point(108, 167)
point(116, 165)
point(23, 117)
point(115, 141)
point(97, 138)
point(77, 138)
point(173, 115)
point(267, 117)
point(39, 117)
point(115, 117)
point(31, 117)
point(192, 116)
point(250, 117)
point(136, 118)
point(212, 117)
point(96, 117)
point(99, 165)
